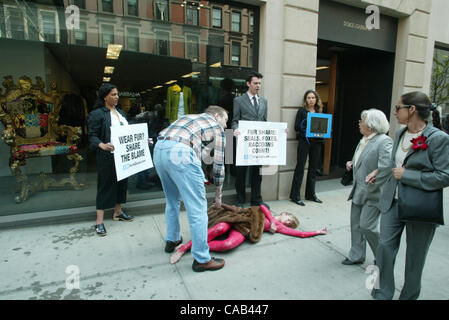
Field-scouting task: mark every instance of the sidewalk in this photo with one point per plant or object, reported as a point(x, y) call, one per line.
point(129, 263)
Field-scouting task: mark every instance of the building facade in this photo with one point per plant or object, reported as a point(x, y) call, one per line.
point(208, 47)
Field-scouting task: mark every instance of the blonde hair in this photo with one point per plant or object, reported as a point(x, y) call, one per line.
point(295, 221)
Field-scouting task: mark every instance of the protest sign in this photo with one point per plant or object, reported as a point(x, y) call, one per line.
point(131, 151)
point(261, 143)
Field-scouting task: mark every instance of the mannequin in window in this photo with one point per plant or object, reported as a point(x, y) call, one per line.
point(179, 101)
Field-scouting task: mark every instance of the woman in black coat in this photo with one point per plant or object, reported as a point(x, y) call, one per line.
point(306, 147)
point(110, 192)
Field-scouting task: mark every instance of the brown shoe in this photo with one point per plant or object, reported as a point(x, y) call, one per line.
point(212, 265)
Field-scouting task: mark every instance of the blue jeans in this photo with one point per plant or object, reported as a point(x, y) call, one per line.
point(182, 178)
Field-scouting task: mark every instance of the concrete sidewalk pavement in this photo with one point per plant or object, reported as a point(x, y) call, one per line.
point(129, 263)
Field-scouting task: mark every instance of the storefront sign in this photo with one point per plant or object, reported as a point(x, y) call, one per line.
point(131, 154)
point(356, 26)
point(261, 143)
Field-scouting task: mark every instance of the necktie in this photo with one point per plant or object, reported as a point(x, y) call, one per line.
point(256, 105)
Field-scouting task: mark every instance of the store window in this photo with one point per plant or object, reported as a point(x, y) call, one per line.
point(107, 35)
point(439, 84)
point(217, 18)
point(80, 3)
point(162, 9)
point(132, 39)
point(81, 34)
point(236, 21)
point(107, 6)
point(132, 6)
point(236, 53)
point(150, 52)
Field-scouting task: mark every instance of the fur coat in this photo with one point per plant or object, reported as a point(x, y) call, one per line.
point(249, 222)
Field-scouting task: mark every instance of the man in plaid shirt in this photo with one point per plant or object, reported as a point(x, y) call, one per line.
point(177, 159)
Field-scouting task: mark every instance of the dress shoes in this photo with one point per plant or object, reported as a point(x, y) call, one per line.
point(314, 199)
point(100, 229)
point(212, 265)
point(123, 217)
point(170, 245)
point(298, 202)
point(348, 262)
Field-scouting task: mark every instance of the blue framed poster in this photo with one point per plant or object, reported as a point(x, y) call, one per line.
point(319, 125)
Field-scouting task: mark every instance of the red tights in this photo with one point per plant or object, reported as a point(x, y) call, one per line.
point(234, 240)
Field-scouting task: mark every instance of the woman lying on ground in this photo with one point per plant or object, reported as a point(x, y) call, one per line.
point(244, 223)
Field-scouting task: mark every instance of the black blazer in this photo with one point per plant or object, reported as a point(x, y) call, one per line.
point(99, 130)
point(301, 126)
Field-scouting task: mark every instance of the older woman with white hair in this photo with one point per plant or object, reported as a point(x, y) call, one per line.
point(371, 168)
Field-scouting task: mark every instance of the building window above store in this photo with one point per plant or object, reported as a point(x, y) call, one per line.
point(217, 17)
point(192, 48)
point(80, 35)
point(132, 39)
point(15, 27)
point(163, 43)
point(235, 60)
point(251, 55)
point(236, 21)
point(132, 7)
point(162, 10)
point(192, 14)
point(107, 35)
point(80, 3)
point(107, 6)
point(251, 23)
point(49, 26)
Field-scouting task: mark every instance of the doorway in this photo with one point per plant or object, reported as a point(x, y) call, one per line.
point(356, 79)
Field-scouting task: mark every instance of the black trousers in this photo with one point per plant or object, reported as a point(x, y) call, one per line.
point(109, 190)
point(312, 150)
point(255, 180)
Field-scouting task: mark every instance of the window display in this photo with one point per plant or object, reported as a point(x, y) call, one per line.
point(168, 58)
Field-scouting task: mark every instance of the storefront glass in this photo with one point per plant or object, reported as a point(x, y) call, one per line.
point(55, 54)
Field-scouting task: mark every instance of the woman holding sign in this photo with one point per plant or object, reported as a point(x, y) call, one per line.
point(306, 147)
point(110, 192)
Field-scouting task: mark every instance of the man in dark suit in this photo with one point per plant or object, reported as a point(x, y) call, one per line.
point(249, 107)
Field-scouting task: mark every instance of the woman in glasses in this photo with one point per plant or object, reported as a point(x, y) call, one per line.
point(110, 192)
point(424, 166)
point(371, 169)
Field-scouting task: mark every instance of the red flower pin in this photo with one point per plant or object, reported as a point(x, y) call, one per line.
point(419, 143)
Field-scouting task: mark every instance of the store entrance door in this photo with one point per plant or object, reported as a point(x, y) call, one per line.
point(363, 79)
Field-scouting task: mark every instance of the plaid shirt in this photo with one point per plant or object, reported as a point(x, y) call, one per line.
point(201, 130)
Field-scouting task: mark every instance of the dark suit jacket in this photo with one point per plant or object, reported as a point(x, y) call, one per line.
point(99, 130)
point(244, 110)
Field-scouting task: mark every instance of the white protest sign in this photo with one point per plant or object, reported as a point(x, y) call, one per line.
point(131, 151)
point(261, 143)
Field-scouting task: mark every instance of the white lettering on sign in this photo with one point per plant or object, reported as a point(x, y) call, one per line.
point(72, 22)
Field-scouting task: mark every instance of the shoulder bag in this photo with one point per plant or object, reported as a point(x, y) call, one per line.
point(418, 205)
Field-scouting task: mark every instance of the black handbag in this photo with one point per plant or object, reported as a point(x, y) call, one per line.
point(347, 177)
point(418, 205)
